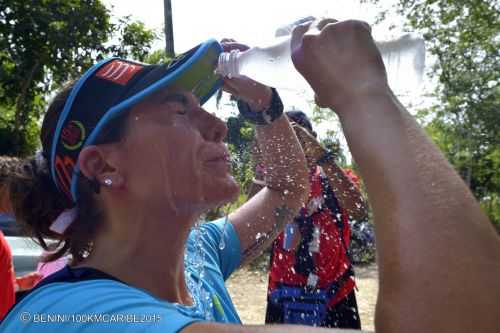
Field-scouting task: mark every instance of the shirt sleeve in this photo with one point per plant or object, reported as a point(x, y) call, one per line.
point(222, 245)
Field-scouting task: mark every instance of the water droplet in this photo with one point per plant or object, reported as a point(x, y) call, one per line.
point(222, 242)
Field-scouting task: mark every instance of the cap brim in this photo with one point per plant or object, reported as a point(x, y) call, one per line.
point(193, 71)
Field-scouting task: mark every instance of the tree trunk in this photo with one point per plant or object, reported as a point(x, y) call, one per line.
point(169, 30)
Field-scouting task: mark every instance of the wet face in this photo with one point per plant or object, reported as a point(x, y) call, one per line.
point(174, 155)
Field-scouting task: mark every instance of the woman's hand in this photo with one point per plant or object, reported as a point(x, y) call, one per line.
point(257, 95)
point(341, 62)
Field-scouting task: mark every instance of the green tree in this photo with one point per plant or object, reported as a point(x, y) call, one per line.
point(240, 141)
point(134, 40)
point(463, 37)
point(45, 43)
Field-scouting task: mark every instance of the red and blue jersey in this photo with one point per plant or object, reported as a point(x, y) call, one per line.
point(321, 259)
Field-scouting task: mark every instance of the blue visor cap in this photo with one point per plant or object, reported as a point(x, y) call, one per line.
point(114, 85)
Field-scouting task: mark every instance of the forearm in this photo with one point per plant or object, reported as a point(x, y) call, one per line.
point(347, 194)
point(259, 220)
point(230, 328)
point(282, 155)
point(439, 257)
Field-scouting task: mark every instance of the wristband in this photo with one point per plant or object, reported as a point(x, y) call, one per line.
point(273, 112)
point(326, 158)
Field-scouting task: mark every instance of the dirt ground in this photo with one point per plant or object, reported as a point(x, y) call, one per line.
point(248, 288)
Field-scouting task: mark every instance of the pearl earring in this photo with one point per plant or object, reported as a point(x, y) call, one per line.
point(108, 182)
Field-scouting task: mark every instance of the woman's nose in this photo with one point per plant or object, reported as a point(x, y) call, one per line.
point(212, 128)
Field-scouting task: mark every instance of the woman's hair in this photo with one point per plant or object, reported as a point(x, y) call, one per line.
point(37, 202)
point(8, 164)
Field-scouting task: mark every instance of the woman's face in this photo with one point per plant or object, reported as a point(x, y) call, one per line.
point(174, 155)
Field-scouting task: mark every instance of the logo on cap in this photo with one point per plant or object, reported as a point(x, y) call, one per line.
point(118, 71)
point(73, 135)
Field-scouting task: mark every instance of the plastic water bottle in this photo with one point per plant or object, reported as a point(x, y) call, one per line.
point(404, 59)
point(271, 65)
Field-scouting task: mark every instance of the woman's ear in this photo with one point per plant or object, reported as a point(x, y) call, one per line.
point(95, 166)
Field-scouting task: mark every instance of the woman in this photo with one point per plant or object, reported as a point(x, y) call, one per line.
point(129, 162)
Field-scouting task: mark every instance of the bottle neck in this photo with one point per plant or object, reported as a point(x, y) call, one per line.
point(228, 64)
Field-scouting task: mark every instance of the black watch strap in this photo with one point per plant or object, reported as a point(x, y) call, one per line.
point(273, 112)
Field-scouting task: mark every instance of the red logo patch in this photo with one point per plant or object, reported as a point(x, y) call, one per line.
point(118, 71)
point(64, 167)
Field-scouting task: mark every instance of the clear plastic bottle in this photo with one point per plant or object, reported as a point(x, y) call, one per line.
point(403, 57)
point(271, 65)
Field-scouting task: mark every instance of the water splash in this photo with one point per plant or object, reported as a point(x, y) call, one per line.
point(201, 297)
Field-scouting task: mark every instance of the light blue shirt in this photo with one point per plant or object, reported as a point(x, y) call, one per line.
point(104, 305)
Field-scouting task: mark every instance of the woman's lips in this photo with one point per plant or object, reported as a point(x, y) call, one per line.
point(220, 163)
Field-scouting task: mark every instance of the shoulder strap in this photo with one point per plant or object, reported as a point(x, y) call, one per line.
point(333, 205)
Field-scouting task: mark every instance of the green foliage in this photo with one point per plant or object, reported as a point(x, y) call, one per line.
point(240, 141)
point(45, 43)
point(157, 57)
point(332, 140)
point(332, 143)
point(135, 40)
point(463, 36)
point(26, 143)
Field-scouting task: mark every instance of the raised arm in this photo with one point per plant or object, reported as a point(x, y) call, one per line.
point(439, 256)
point(225, 328)
point(261, 218)
point(348, 196)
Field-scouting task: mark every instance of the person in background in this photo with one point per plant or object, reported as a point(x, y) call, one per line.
point(7, 276)
point(8, 165)
point(7, 281)
point(311, 278)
